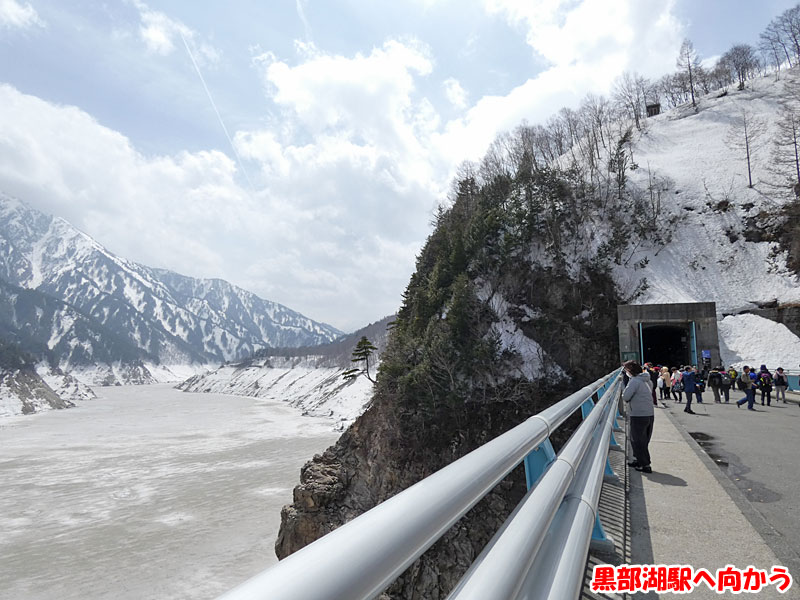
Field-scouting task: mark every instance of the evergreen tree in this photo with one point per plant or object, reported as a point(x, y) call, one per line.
point(361, 354)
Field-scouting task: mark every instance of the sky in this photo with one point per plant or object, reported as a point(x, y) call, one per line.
point(299, 148)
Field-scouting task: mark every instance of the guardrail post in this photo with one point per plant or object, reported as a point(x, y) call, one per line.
point(601, 542)
point(587, 406)
point(537, 461)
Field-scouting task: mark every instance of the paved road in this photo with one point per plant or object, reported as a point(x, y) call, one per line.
point(758, 451)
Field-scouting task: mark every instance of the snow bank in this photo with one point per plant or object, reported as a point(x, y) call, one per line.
point(316, 391)
point(755, 341)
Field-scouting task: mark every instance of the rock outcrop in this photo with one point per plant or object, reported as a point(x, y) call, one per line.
point(22, 391)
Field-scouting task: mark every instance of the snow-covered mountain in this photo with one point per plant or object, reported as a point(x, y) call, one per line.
point(65, 297)
point(308, 378)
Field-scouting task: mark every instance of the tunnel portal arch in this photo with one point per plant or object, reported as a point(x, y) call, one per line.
point(671, 335)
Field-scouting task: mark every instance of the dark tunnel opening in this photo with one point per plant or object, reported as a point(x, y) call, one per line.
point(666, 345)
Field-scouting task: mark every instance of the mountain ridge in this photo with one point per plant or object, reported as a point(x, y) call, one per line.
point(73, 303)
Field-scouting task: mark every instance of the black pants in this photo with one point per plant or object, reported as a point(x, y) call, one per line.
point(766, 393)
point(641, 431)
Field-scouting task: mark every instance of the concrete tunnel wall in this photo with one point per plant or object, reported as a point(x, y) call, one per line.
point(702, 314)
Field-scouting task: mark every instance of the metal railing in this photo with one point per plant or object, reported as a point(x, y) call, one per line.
point(364, 556)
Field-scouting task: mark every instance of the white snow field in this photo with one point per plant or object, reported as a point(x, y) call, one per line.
point(147, 493)
point(704, 180)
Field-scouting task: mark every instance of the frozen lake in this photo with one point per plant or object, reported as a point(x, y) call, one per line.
point(147, 493)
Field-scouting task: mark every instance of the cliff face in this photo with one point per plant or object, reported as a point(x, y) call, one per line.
point(503, 317)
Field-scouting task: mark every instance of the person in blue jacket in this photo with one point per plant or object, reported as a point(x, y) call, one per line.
point(690, 387)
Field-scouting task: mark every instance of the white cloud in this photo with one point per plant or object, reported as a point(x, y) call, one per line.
point(301, 13)
point(565, 32)
point(161, 34)
point(16, 15)
point(586, 46)
point(62, 161)
point(456, 94)
point(360, 119)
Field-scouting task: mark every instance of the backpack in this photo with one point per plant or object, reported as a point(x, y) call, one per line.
point(765, 381)
point(726, 379)
point(714, 379)
point(677, 386)
point(740, 381)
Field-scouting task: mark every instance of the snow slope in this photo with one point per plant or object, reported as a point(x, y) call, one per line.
point(316, 391)
point(711, 211)
point(307, 378)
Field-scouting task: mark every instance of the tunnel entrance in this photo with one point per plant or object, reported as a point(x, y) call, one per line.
point(669, 334)
point(666, 345)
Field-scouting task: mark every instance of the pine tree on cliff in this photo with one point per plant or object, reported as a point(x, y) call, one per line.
point(361, 354)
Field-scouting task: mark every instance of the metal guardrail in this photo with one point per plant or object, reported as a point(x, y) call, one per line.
point(364, 556)
point(793, 378)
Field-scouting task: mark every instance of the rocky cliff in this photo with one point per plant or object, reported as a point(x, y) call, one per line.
point(501, 318)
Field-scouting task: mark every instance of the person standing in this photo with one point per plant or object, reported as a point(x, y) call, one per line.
point(781, 383)
point(653, 373)
point(677, 385)
point(727, 383)
point(746, 385)
point(664, 383)
point(765, 385)
point(638, 394)
point(734, 375)
point(690, 387)
point(715, 383)
point(699, 383)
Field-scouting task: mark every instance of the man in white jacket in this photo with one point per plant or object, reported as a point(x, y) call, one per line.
point(639, 396)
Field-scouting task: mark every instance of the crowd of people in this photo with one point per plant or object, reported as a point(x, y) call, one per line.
point(644, 383)
point(690, 383)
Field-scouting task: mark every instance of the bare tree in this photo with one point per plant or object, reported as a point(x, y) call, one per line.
point(688, 61)
point(786, 148)
point(774, 36)
point(742, 61)
point(770, 46)
point(597, 111)
point(788, 23)
point(745, 134)
point(630, 91)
